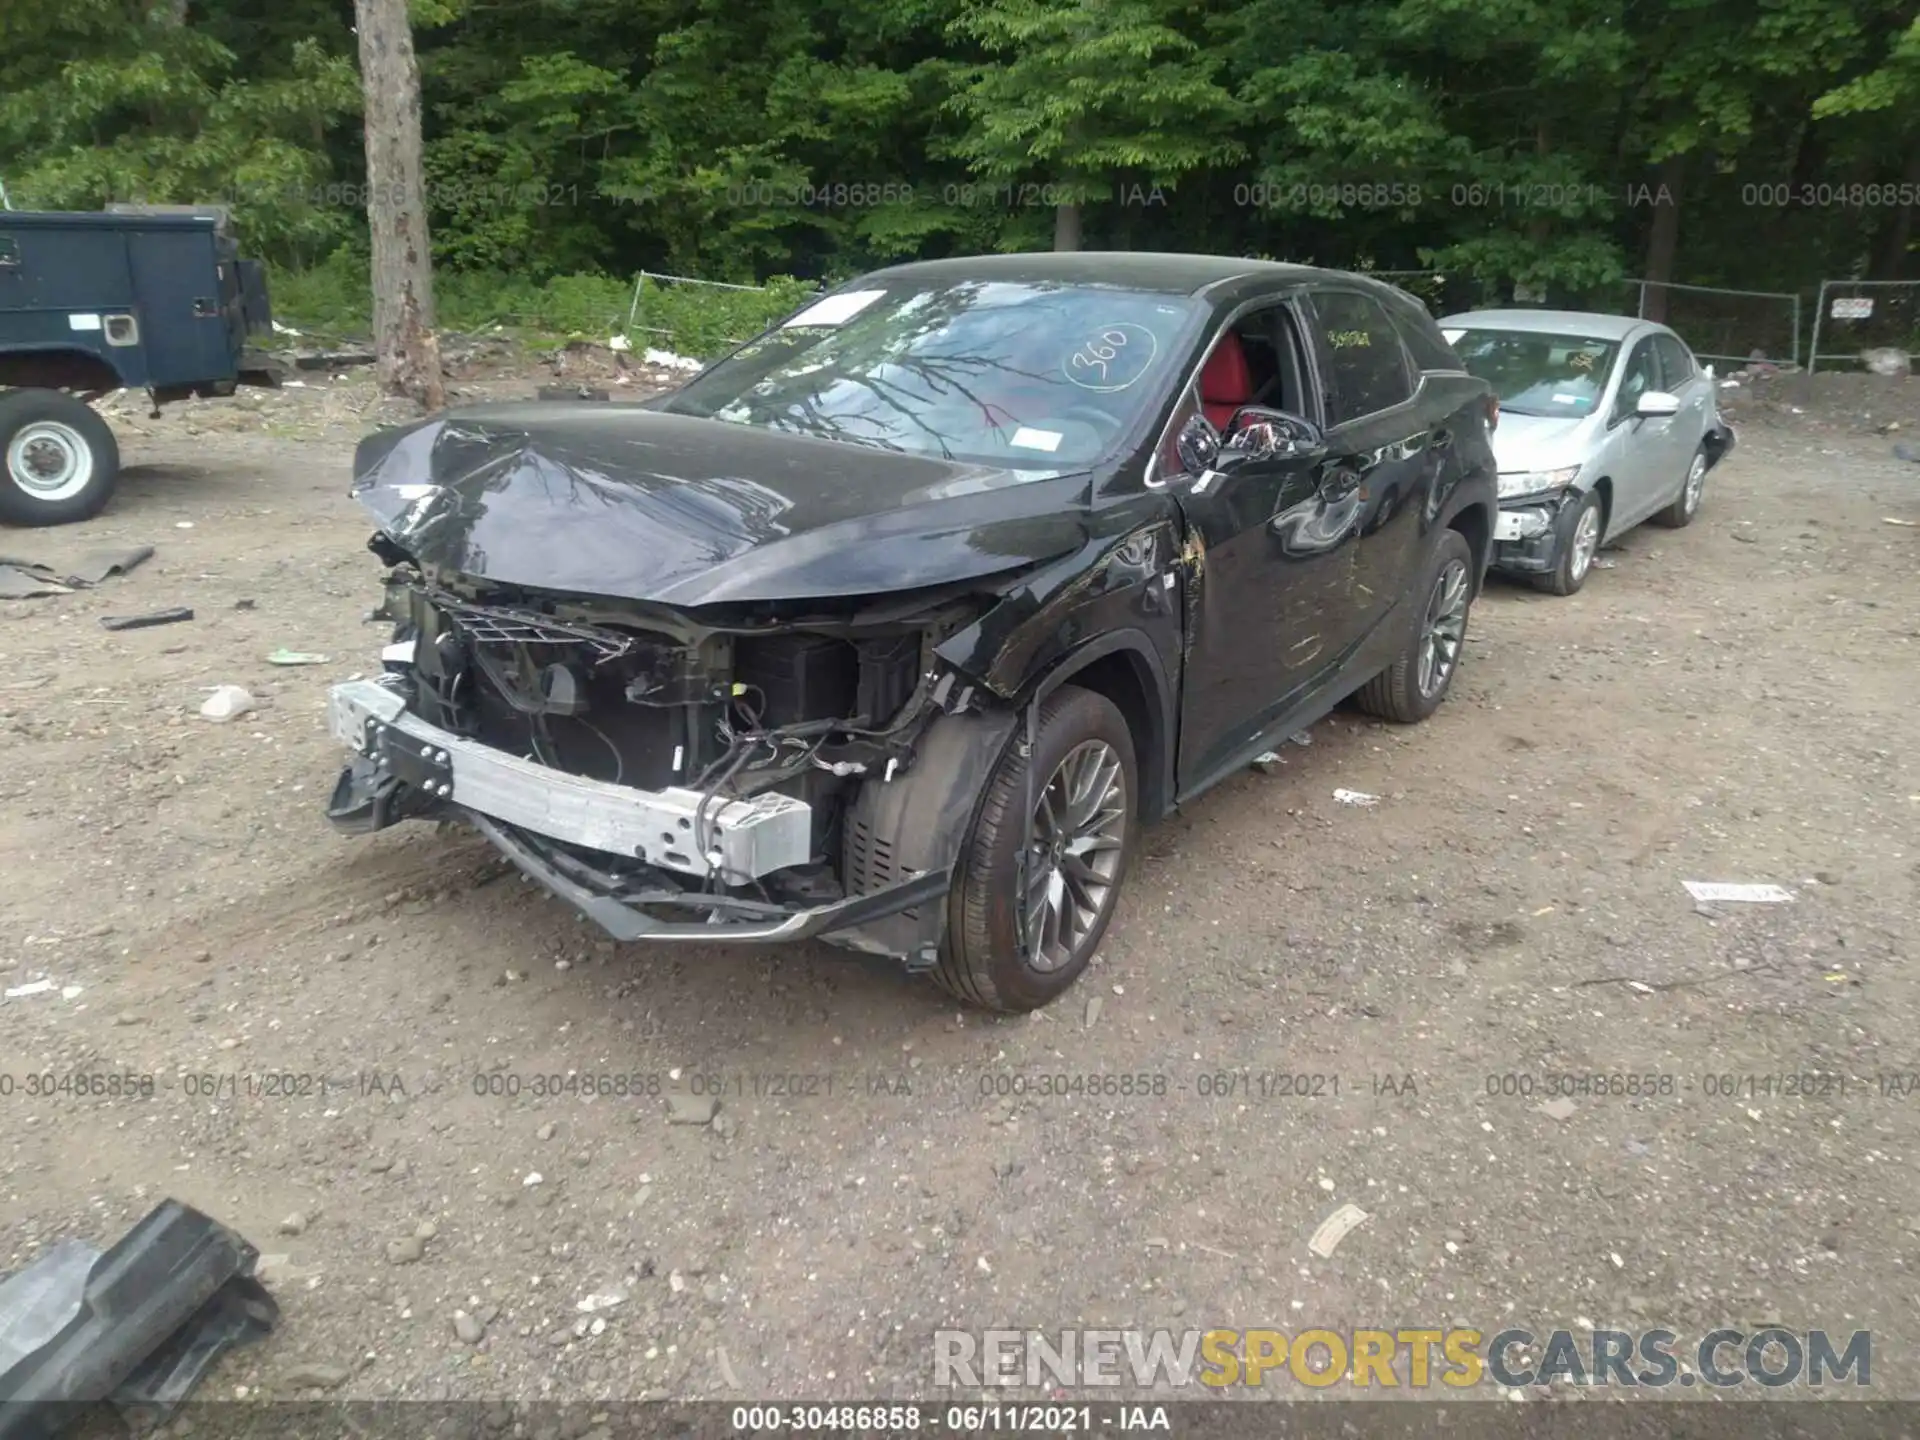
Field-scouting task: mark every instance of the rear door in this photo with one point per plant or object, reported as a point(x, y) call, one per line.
point(1385, 450)
point(1682, 376)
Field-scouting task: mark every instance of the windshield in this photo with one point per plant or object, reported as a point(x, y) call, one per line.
point(1537, 374)
point(1031, 375)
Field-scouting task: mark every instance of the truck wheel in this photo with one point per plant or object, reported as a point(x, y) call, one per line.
point(1010, 951)
point(58, 459)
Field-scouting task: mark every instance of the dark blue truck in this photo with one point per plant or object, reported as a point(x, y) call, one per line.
point(152, 298)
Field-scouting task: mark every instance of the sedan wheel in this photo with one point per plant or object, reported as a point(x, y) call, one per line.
point(1583, 533)
point(1680, 513)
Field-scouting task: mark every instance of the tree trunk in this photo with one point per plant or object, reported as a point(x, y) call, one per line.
point(1896, 230)
point(1663, 242)
point(1066, 227)
point(408, 351)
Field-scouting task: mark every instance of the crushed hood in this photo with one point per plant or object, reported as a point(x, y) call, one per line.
point(630, 503)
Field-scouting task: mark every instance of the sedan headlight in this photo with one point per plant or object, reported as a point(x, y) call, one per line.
point(1514, 483)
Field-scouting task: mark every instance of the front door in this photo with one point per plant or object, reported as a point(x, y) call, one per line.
point(1270, 568)
point(1641, 483)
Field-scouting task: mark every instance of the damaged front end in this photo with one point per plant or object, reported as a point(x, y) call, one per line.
point(724, 777)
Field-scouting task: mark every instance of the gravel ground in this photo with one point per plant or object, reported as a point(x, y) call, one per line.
point(1730, 702)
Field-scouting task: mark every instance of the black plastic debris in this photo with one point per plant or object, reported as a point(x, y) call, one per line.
point(147, 621)
point(136, 1327)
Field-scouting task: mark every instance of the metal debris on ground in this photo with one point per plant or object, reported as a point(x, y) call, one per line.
point(1335, 1228)
point(33, 987)
point(1267, 761)
point(1709, 892)
point(1559, 1108)
point(148, 621)
point(227, 702)
point(1355, 797)
point(1889, 520)
point(284, 656)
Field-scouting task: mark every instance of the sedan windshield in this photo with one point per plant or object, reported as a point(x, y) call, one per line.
point(1537, 374)
point(1030, 375)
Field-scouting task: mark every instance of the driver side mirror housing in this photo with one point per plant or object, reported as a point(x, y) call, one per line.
point(1198, 444)
point(1258, 433)
point(1656, 404)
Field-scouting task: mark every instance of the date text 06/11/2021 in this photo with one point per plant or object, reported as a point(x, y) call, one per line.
point(883, 1418)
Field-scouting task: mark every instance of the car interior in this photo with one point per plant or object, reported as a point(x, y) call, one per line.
point(1247, 366)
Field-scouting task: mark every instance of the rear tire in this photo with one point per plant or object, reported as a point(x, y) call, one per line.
point(1080, 739)
point(1686, 505)
point(1411, 689)
point(58, 459)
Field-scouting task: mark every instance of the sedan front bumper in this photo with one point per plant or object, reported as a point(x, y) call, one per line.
point(581, 838)
point(1527, 533)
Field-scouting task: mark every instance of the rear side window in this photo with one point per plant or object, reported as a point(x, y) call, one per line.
point(1423, 339)
point(1676, 362)
point(1367, 366)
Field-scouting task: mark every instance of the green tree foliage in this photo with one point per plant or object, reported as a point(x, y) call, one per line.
point(1548, 143)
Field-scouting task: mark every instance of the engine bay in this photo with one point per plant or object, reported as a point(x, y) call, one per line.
point(806, 705)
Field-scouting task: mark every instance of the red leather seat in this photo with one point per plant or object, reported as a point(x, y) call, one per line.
point(1225, 381)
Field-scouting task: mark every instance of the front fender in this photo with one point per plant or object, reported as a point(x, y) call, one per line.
point(1117, 581)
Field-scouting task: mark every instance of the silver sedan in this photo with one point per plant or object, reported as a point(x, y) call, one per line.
point(1606, 421)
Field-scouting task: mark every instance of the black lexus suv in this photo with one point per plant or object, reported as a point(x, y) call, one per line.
point(896, 624)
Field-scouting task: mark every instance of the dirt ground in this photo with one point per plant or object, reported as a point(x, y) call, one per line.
point(1732, 702)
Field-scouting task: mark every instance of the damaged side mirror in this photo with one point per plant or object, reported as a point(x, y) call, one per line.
point(1258, 433)
point(1198, 444)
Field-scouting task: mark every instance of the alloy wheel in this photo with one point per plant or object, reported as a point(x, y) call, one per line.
point(1079, 828)
point(1445, 628)
point(1586, 543)
point(1696, 483)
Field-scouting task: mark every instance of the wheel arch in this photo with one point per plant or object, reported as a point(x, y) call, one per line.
point(1603, 487)
point(58, 367)
point(1475, 522)
point(1123, 667)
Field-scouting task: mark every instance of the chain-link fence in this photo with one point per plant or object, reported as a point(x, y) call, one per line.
point(1716, 322)
point(1852, 316)
point(1719, 323)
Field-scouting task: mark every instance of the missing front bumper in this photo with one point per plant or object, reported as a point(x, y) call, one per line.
point(619, 911)
point(552, 825)
point(1527, 536)
point(675, 829)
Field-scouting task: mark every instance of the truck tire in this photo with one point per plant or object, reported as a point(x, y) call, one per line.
point(58, 459)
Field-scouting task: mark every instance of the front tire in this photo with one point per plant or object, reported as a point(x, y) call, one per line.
point(1686, 505)
point(58, 459)
point(1013, 952)
point(1586, 528)
point(1411, 689)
